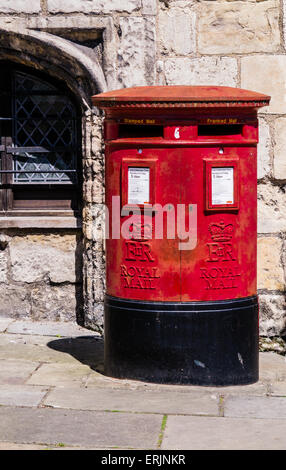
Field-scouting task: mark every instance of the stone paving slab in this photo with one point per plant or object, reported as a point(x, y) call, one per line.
point(31, 348)
point(278, 389)
point(210, 433)
point(51, 382)
point(48, 349)
point(16, 372)
point(88, 349)
point(4, 323)
point(21, 395)
point(99, 380)
point(60, 446)
point(255, 407)
point(96, 380)
point(256, 389)
point(15, 446)
point(79, 428)
point(49, 329)
point(60, 375)
point(193, 403)
point(272, 367)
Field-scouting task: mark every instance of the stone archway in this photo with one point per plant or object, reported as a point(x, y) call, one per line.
point(56, 56)
point(83, 75)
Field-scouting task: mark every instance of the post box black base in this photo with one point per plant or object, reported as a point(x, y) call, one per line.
point(199, 343)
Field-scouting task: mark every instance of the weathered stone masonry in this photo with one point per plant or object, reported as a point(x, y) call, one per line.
point(96, 45)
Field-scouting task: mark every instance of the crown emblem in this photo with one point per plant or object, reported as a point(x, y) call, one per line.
point(221, 232)
point(140, 230)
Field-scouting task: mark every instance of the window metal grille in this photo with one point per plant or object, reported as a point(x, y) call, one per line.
point(44, 137)
point(39, 145)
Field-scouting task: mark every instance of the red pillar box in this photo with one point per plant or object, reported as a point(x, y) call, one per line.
point(181, 301)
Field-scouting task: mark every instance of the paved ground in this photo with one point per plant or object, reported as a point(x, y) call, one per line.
point(53, 395)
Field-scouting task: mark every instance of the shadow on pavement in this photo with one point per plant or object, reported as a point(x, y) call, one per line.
point(86, 349)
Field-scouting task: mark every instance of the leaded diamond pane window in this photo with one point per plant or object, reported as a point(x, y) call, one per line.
point(40, 135)
point(43, 118)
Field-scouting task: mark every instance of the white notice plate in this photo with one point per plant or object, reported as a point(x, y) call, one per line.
point(138, 185)
point(222, 185)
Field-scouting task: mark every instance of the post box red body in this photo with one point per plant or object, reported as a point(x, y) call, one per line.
point(181, 304)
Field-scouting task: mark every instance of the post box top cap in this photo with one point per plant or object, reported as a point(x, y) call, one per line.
point(178, 96)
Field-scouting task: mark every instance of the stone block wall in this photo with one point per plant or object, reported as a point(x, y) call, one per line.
point(167, 42)
point(41, 274)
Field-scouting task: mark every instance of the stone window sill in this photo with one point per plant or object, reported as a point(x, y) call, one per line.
point(33, 221)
